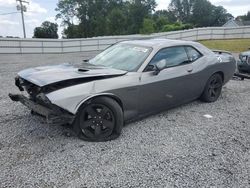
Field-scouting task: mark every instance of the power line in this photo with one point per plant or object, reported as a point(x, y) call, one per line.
point(7, 13)
point(2, 14)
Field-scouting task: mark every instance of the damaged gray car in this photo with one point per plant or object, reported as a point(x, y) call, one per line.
point(127, 81)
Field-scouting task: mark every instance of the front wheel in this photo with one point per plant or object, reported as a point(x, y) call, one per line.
point(212, 89)
point(101, 119)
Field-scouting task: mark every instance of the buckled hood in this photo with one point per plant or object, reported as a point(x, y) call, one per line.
point(46, 75)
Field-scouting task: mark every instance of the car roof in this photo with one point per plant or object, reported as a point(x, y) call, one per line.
point(159, 42)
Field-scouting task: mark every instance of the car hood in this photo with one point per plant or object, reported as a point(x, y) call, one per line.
point(46, 75)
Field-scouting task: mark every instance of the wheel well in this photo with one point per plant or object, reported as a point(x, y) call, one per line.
point(220, 73)
point(118, 100)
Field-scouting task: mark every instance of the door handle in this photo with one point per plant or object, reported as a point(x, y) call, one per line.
point(190, 70)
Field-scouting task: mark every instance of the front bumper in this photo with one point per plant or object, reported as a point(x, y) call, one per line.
point(243, 67)
point(52, 113)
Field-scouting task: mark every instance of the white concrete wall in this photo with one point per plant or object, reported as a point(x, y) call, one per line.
point(98, 44)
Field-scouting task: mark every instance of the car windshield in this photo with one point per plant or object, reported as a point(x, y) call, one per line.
point(126, 57)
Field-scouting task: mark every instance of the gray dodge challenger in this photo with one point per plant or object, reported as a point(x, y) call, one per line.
point(127, 81)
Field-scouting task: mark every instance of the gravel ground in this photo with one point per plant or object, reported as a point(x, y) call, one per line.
point(177, 148)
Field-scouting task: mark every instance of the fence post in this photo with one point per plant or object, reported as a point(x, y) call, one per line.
point(197, 32)
point(243, 32)
point(42, 48)
point(62, 46)
point(20, 46)
point(224, 33)
point(80, 43)
point(98, 45)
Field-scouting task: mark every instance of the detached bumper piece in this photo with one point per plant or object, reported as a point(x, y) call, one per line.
point(52, 113)
point(242, 76)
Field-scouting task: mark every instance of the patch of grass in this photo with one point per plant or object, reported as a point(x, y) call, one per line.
point(232, 45)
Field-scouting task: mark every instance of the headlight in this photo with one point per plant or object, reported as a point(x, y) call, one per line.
point(42, 97)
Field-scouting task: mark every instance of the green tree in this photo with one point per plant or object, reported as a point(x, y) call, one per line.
point(137, 11)
point(73, 31)
point(245, 17)
point(116, 22)
point(160, 22)
point(176, 27)
point(47, 30)
point(202, 13)
point(182, 9)
point(166, 13)
point(67, 11)
point(148, 26)
point(220, 16)
point(88, 18)
point(199, 12)
point(97, 18)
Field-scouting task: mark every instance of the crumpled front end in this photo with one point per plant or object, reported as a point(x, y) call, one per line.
point(243, 67)
point(39, 103)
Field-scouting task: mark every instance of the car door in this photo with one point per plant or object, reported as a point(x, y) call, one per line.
point(174, 85)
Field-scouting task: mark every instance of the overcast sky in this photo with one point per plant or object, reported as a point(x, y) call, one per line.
point(39, 11)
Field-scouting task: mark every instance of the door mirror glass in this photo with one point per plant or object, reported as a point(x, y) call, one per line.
point(160, 65)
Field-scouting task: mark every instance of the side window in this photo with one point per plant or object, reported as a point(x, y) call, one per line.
point(193, 54)
point(174, 56)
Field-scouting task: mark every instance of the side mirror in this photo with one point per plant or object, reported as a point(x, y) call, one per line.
point(160, 65)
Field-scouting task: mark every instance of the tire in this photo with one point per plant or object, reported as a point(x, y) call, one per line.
point(212, 89)
point(99, 120)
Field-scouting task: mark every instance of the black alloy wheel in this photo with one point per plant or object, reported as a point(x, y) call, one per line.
point(100, 120)
point(213, 88)
point(97, 121)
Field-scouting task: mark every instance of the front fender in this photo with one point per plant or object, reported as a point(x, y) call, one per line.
point(98, 95)
point(69, 98)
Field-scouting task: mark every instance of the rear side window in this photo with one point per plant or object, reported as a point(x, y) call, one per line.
point(193, 54)
point(174, 56)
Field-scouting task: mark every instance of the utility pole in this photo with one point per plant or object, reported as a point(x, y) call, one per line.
point(23, 9)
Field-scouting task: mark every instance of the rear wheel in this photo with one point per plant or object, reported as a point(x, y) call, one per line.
point(99, 120)
point(212, 89)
